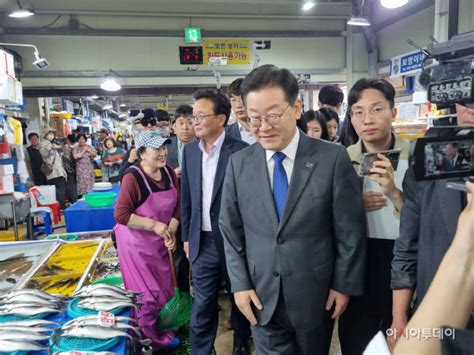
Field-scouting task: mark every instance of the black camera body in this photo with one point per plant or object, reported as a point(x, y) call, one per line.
point(445, 151)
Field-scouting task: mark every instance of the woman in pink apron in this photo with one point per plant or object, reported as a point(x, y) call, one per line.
point(147, 215)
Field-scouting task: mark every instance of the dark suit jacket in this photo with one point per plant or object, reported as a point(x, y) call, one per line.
point(233, 130)
point(191, 192)
point(172, 153)
point(320, 242)
point(427, 226)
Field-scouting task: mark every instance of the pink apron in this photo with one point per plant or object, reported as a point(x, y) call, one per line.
point(145, 263)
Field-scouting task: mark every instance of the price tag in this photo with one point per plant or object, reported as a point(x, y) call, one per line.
point(106, 319)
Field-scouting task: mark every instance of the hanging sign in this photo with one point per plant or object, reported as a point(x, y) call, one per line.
point(237, 51)
point(406, 64)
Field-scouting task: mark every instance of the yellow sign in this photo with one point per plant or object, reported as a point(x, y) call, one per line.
point(237, 51)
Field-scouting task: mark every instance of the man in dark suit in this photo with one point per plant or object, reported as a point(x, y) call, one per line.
point(293, 223)
point(184, 129)
point(204, 165)
point(454, 160)
point(241, 128)
point(427, 226)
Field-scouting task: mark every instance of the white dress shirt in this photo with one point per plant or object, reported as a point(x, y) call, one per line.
point(209, 168)
point(288, 162)
point(245, 135)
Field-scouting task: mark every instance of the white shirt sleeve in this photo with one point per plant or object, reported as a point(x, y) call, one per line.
point(377, 346)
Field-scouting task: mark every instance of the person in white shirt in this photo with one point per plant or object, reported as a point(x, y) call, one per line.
point(371, 113)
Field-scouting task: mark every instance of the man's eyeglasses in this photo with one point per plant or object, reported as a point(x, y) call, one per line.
point(273, 119)
point(200, 117)
point(375, 112)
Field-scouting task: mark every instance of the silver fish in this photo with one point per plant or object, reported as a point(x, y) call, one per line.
point(38, 293)
point(29, 323)
point(29, 311)
point(95, 332)
point(19, 335)
point(29, 298)
point(94, 317)
point(106, 306)
point(93, 288)
point(95, 322)
point(104, 300)
point(28, 304)
point(34, 330)
point(11, 346)
point(104, 292)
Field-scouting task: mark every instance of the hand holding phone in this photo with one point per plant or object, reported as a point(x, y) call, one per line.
point(368, 159)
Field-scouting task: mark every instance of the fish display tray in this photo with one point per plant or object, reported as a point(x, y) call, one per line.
point(82, 344)
point(74, 311)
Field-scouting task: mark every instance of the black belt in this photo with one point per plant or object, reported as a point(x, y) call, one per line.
point(207, 234)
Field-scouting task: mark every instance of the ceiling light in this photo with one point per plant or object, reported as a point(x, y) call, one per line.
point(308, 6)
point(21, 12)
point(107, 107)
point(393, 4)
point(358, 21)
point(123, 105)
point(110, 84)
point(94, 97)
point(39, 63)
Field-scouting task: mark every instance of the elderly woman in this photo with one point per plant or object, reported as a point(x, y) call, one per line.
point(147, 215)
point(84, 153)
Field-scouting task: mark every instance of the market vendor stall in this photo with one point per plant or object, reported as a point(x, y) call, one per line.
point(81, 217)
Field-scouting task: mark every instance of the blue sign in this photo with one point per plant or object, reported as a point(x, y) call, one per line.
point(411, 62)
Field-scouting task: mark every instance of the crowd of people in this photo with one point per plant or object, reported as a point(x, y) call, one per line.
point(272, 207)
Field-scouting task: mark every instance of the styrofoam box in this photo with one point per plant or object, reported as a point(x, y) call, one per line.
point(7, 90)
point(6, 170)
point(18, 92)
point(7, 64)
point(48, 192)
point(6, 183)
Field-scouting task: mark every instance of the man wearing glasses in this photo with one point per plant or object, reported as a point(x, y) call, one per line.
point(372, 112)
point(293, 224)
point(203, 170)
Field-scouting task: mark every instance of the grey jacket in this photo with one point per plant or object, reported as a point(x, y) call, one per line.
point(427, 227)
point(320, 242)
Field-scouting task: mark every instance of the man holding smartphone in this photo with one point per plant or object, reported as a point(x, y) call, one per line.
point(372, 112)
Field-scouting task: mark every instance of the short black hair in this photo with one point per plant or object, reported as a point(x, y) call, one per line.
point(71, 138)
point(312, 115)
point(81, 135)
point(162, 116)
point(331, 95)
point(329, 114)
point(220, 101)
point(234, 88)
point(381, 85)
point(268, 76)
point(348, 134)
point(183, 110)
point(32, 134)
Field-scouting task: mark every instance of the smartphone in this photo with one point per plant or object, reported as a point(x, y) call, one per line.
point(368, 159)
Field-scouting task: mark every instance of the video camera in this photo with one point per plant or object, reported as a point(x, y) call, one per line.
point(447, 152)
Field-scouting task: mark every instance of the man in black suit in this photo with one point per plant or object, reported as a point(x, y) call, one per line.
point(184, 128)
point(453, 159)
point(241, 128)
point(204, 165)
